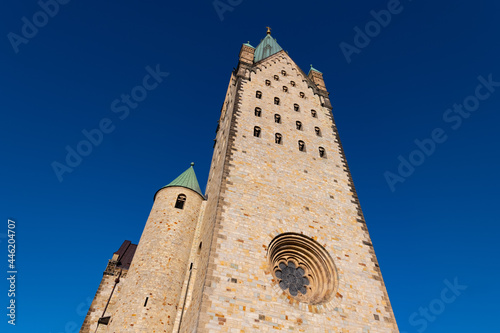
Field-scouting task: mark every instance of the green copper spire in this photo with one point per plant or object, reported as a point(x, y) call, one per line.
point(188, 180)
point(267, 47)
point(314, 69)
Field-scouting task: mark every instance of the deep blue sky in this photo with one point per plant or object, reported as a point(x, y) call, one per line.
point(440, 224)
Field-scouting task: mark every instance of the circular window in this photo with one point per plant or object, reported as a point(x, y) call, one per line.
point(302, 268)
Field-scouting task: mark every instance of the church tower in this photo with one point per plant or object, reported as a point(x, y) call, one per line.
point(278, 241)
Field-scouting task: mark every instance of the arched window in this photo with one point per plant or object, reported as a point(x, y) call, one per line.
point(292, 83)
point(283, 73)
point(181, 200)
point(298, 124)
point(313, 113)
point(268, 83)
point(285, 88)
point(318, 131)
point(296, 107)
point(322, 152)
point(276, 101)
point(258, 112)
point(302, 146)
point(302, 95)
point(256, 131)
point(277, 118)
point(276, 77)
point(258, 94)
point(277, 138)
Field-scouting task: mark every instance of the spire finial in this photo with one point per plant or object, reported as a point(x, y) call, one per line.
point(192, 163)
point(268, 30)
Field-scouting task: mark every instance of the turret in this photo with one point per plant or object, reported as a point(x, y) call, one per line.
point(152, 291)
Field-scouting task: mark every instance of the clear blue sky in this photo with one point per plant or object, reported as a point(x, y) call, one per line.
point(440, 224)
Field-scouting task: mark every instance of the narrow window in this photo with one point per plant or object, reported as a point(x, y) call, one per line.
point(292, 83)
point(298, 124)
point(283, 73)
point(181, 199)
point(146, 301)
point(302, 95)
point(256, 131)
point(302, 146)
point(296, 107)
point(258, 112)
point(313, 113)
point(277, 138)
point(285, 88)
point(322, 152)
point(277, 118)
point(276, 77)
point(318, 131)
point(258, 94)
point(276, 101)
point(268, 83)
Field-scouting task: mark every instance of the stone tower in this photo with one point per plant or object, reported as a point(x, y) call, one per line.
point(278, 241)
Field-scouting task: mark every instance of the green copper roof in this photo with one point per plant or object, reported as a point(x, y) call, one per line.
point(248, 44)
point(188, 180)
point(314, 69)
point(266, 48)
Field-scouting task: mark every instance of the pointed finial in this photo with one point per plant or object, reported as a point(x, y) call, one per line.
point(192, 163)
point(268, 30)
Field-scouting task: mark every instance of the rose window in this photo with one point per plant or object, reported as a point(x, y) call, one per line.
point(302, 268)
point(292, 278)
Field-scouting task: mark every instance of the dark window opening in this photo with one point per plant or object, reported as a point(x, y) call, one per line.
point(302, 146)
point(268, 83)
point(285, 88)
point(277, 138)
point(313, 113)
point(318, 131)
point(277, 118)
point(258, 94)
point(276, 77)
point(292, 83)
point(298, 124)
point(146, 301)
point(322, 152)
point(258, 112)
point(276, 101)
point(181, 200)
point(256, 131)
point(283, 73)
point(296, 107)
point(302, 95)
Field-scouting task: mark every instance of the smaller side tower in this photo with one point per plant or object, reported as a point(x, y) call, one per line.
point(109, 289)
point(152, 292)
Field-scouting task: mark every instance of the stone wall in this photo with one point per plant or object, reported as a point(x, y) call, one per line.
point(102, 296)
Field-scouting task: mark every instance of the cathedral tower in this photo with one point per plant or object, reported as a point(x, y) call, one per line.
point(279, 241)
